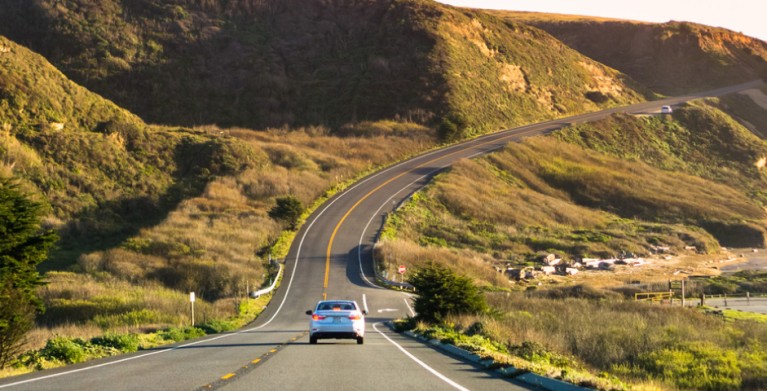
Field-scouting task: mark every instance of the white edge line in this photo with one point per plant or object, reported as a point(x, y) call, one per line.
point(287, 291)
point(375, 214)
point(113, 362)
point(421, 363)
point(303, 237)
point(292, 274)
point(412, 313)
point(290, 282)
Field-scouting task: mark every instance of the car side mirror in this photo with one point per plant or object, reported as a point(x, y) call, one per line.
point(309, 312)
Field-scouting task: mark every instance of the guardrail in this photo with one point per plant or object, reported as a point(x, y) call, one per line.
point(264, 291)
point(392, 284)
point(735, 300)
point(655, 297)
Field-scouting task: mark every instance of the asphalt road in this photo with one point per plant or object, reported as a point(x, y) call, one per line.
point(329, 258)
point(751, 304)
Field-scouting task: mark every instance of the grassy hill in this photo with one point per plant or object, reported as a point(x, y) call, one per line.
point(104, 171)
point(148, 213)
point(593, 190)
point(275, 63)
point(669, 58)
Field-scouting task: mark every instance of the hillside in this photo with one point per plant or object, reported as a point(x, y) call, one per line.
point(104, 172)
point(623, 184)
point(669, 58)
point(284, 63)
point(147, 213)
point(299, 98)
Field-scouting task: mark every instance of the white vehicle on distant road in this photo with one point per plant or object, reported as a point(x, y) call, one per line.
point(666, 110)
point(339, 319)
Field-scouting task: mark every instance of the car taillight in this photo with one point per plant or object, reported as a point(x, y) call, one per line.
point(317, 317)
point(355, 316)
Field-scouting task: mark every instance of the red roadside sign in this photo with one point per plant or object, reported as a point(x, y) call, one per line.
point(401, 269)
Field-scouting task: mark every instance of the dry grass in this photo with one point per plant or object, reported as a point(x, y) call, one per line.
point(394, 252)
point(79, 303)
point(619, 337)
point(215, 244)
point(543, 195)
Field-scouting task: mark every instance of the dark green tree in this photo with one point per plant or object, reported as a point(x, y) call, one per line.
point(288, 210)
point(23, 245)
point(440, 291)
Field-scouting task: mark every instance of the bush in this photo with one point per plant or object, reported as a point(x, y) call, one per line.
point(441, 292)
point(289, 210)
point(65, 350)
point(218, 326)
point(178, 334)
point(577, 292)
point(125, 343)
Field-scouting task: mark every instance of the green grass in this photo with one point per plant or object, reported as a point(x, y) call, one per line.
point(610, 343)
point(744, 316)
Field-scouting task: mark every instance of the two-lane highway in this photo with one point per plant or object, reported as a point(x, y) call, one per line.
point(330, 257)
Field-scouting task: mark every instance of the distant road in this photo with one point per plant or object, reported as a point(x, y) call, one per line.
point(751, 304)
point(330, 257)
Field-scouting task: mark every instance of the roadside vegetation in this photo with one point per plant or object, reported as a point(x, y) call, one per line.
point(619, 185)
point(24, 245)
point(616, 186)
point(101, 322)
point(148, 213)
point(596, 338)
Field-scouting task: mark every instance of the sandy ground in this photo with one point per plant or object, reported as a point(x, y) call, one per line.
point(751, 259)
point(661, 269)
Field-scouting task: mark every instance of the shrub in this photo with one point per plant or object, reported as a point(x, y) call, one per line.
point(123, 342)
point(289, 210)
point(441, 292)
point(63, 349)
point(178, 334)
point(218, 326)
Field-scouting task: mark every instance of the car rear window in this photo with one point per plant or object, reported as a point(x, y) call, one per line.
point(337, 306)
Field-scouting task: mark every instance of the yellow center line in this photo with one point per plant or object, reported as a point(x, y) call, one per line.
point(256, 361)
point(338, 226)
point(341, 222)
point(227, 376)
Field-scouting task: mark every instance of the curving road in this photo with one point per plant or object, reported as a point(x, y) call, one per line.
point(329, 258)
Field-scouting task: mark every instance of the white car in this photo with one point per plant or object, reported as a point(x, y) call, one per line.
point(666, 110)
point(338, 319)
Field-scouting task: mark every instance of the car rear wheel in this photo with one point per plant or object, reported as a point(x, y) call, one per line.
point(312, 340)
point(360, 340)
